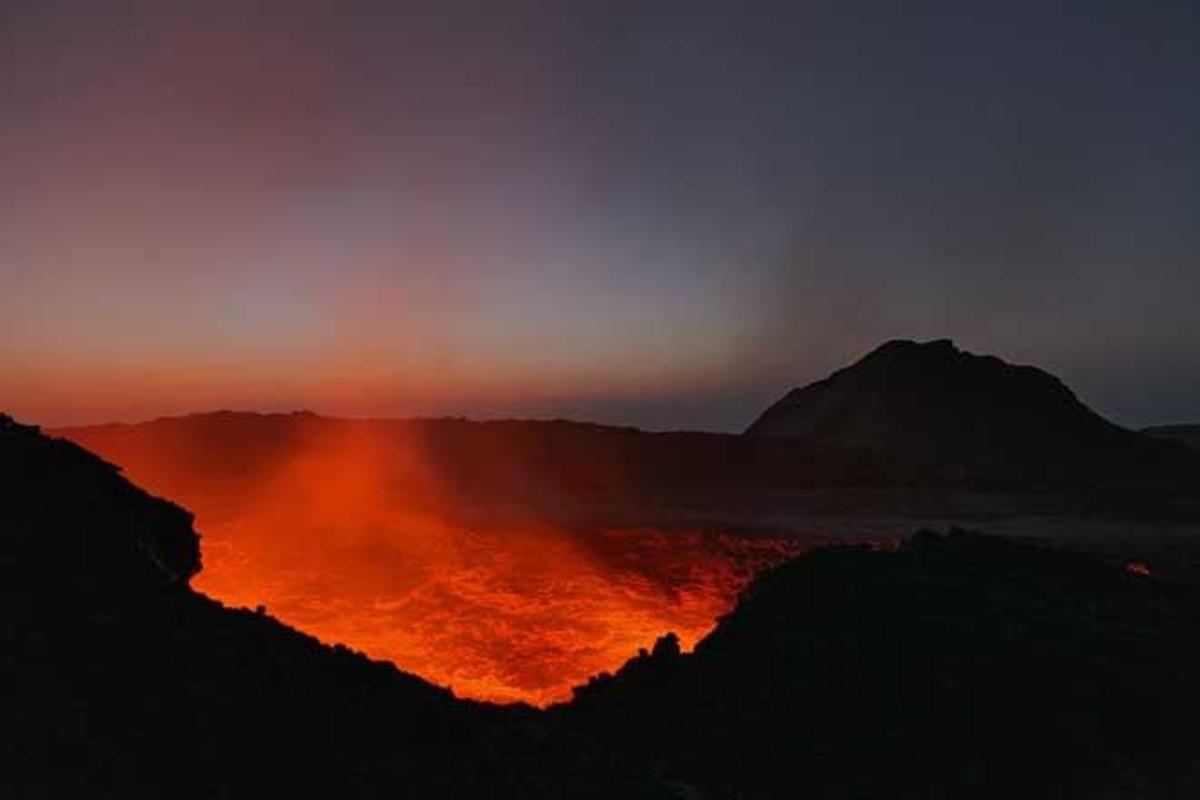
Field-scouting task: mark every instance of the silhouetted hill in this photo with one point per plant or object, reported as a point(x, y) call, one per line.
point(1184, 434)
point(933, 408)
point(963, 666)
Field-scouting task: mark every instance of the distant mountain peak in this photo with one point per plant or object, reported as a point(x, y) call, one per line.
point(931, 403)
point(911, 353)
point(933, 345)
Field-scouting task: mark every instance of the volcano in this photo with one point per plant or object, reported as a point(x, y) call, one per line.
point(511, 560)
point(930, 668)
point(432, 545)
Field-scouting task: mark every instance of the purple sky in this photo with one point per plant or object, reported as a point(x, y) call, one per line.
point(662, 214)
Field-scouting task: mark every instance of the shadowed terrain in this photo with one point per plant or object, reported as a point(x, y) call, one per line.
point(964, 666)
point(1184, 434)
point(950, 665)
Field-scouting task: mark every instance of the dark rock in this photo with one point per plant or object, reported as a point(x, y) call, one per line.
point(955, 666)
point(1183, 434)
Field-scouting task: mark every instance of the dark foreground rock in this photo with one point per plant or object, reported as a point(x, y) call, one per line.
point(1188, 435)
point(958, 666)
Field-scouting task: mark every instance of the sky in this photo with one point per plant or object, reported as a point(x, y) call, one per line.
point(662, 214)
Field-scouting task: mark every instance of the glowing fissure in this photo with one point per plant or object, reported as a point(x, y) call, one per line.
point(342, 538)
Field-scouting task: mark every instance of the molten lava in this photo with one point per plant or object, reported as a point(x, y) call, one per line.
point(347, 537)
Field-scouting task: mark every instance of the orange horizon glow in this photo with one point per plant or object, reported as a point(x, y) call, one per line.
point(350, 538)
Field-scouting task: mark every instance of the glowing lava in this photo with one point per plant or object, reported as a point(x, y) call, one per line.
point(343, 537)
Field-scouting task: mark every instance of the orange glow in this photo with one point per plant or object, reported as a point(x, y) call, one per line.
point(347, 535)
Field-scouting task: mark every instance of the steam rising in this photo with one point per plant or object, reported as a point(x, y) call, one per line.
point(354, 537)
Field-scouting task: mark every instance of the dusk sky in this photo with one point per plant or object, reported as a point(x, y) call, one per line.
point(650, 213)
